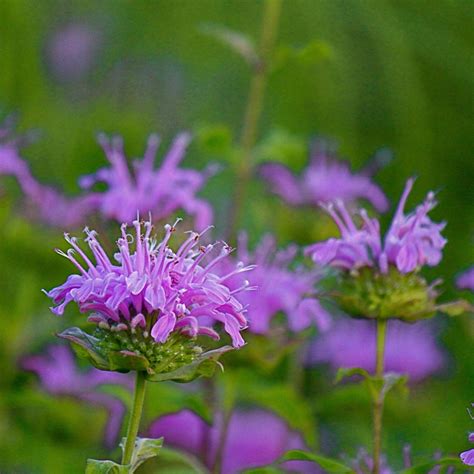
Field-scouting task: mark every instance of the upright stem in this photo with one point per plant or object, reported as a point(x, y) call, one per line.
point(254, 107)
point(378, 403)
point(135, 416)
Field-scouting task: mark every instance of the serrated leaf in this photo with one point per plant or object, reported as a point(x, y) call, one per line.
point(95, 466)
point(85, 346)
point(328, 464)
point(426, 467)
point(236, 40)
point(203, 366)
point(145, 448)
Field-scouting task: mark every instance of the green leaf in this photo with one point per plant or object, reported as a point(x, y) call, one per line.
point(86, 347)
point(394, 380)
point(145, 448)
point(236, 40)
point(263, 470)
point(375, 384)
point(283, 147)
point(315, 51)
point(456, 308)
point(203, 366)
point(328, 464)
point(95, 466)
point(343, 373)
point(127, 360)
point(426, 467)
point(215, 139)
point(173, 461)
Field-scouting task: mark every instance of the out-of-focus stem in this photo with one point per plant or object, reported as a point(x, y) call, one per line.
point(378, 403)
point(135, 417)
point(253, 109)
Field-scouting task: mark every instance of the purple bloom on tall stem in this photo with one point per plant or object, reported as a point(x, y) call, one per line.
point(60, 376)
point(410, 348)
point(145, 189)
point(412, 241)
point(465, 281)
point(254, 438)
point(277, 287)
point(151, 288)
point(326, 179)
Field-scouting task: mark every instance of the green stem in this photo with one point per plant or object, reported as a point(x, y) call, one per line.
point(254, 108)
point(135, 416)
point(378, 403)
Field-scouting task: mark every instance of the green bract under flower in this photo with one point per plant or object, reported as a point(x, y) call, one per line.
point(180, 358)
point(372, 295)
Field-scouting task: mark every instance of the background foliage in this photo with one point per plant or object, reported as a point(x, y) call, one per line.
point(366, 73)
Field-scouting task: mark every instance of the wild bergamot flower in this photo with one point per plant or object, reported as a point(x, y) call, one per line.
point(149, 303)
point(379, 278)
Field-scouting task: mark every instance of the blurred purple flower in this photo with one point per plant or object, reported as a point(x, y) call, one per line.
point(72, 51)
point(467, 457)
point(410, 349)
point(60, 376)
point(46, 203)
point(151, 287)
point(144, 189)
point(254, 438)
point(465, 281)
point(412, 240)
point(277, 287)
point(326, 179)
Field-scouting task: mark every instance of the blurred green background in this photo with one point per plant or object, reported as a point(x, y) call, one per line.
point(367, 73)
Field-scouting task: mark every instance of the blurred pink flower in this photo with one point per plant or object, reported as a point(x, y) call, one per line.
point(325, 180)
point(254, 438)
point(278, 286)
point(144, 189)
point(410, 348)
point(465, 281)
point(72, 50)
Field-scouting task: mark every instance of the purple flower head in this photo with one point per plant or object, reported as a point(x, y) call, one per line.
point(410, 348)
point(412, 240)
point(465, 281)
point(254, 438)
point(145, 189)
point(150, 288)
point(467, 457)
point(277, 287)
point(325, 180)
point(60, 376)
point(72, 50)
